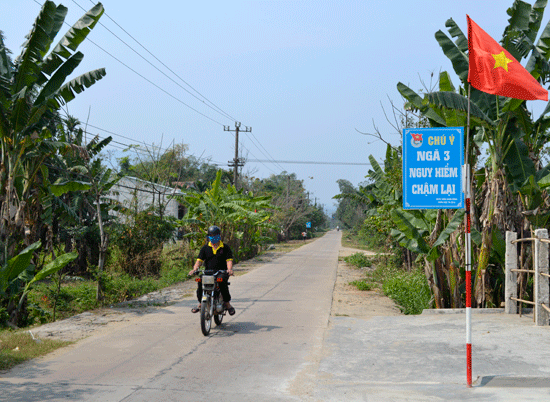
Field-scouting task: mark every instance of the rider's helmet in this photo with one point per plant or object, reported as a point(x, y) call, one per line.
point(214, 234)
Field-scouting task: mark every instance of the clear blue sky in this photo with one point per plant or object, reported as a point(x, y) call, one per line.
point(305, 75)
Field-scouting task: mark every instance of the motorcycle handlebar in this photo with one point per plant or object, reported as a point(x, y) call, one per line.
point(201, 271)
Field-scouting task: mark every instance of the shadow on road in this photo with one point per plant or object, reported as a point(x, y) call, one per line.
point(239, 327)
point(514, 382)
point(30, 392)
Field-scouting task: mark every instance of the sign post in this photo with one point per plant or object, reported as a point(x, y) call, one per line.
point(433, 163)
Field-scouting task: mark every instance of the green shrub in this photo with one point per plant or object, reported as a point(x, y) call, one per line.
point(140, 244)
point(359, 260)
point(363, 285)
point(122, 287)
point(409, 290)
point(74, 298)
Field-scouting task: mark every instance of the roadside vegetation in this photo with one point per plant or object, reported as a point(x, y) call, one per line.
point(16, 348)
point(408, 289)
point(67, 243)
point(508, 156)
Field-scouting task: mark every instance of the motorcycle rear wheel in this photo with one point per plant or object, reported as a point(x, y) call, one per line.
point(206, 318)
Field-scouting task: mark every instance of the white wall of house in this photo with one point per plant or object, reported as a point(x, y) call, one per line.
point(130, 191)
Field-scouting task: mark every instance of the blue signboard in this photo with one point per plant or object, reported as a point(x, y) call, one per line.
point(432, 168)
point(308, 225)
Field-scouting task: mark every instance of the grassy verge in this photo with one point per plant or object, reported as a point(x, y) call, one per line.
point(409, 290)
point(17, 347)
point(351, 241)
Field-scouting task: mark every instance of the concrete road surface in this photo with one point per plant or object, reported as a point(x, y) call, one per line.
point(282, 345)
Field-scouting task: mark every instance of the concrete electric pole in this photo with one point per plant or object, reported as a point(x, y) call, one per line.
point(237, 162)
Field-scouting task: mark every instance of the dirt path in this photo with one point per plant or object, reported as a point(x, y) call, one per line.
point(347, 301)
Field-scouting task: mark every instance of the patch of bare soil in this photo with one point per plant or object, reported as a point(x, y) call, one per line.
point(347, 299)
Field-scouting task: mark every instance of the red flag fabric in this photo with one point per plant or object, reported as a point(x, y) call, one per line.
point(495, 71)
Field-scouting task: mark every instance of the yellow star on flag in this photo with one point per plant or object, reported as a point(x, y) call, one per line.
point(501, 60)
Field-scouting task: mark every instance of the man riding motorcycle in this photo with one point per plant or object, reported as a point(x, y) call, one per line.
point(215, 256)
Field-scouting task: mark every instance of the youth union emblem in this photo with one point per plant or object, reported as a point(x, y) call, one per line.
point(416, 140)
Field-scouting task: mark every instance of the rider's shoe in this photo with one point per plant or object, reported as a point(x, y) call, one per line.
point(196, 309)
point(229, 308)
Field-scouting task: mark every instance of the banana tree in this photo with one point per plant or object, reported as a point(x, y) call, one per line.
point(19, 269)
point(32, 90)
point(241, 217)
point(502, 126)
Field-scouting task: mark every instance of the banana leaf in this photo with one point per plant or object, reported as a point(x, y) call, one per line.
point(34, 48)
point(16, 265)
point(543, 50)
point(445, 83)
point(458, 58)
point(62, 186)
point(49, 269)
point(454, 101)
point(72, 39)
point(519, 167)
point(461, 39)
point(443, 237)
point(418, 103)
point(52, 85)
point(67, 92)
point(414, 236)
point(5, 61)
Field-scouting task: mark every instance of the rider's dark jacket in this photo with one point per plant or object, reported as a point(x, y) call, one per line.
point(215, 259)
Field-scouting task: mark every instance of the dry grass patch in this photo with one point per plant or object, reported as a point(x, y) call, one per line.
point(18, 347)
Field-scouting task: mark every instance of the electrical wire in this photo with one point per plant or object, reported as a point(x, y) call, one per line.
point(145, 78)
point(266, 154)
point(158, 87)
point(214, 108)
point(168, 68)
point(313, 162)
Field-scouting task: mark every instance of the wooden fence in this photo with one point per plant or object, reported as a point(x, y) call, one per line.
point(541, 288)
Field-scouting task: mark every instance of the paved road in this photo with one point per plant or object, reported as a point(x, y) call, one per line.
point(283, 311)
point(282, 345)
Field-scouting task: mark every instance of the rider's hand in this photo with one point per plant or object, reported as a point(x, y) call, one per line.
point(230, 272)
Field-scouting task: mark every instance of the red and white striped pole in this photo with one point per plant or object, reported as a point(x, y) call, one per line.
point(468, 284)
point(468, 249)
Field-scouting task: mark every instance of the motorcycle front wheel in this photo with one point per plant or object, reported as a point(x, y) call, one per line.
point(206, 318)
point(218, 318)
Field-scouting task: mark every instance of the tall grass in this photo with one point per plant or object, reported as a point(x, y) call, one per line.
point(409, 290)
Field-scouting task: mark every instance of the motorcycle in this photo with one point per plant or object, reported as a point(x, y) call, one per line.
point(212, 305)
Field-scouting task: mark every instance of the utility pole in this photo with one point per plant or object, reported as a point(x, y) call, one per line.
point(237, 162)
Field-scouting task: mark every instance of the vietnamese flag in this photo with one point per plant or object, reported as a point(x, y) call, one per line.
point(495, 71)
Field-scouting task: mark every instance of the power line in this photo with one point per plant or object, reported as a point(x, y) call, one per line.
point(215, 108)
point(266, 154)
point(124, 146)
point(157, 86)
point(146, 79)
point(310, 162)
